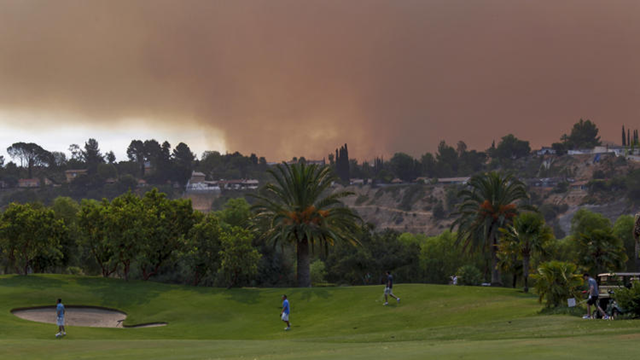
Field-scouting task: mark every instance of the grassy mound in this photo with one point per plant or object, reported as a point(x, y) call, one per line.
point(346, 322)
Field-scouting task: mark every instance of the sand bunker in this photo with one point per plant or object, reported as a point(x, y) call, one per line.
point(79, 316)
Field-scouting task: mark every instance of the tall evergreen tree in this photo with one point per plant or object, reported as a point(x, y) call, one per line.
point(183, 163)
point(624, 142)
point(92, 155)
point(135, 152)
point(342, 163)
point(628, 137)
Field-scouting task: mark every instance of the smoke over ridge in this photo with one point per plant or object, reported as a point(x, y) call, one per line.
point(285, 78)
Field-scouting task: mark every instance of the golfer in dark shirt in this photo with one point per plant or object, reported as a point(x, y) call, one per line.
point(388, 290)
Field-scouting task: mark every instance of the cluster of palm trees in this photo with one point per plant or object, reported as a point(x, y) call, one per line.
point(299, 208)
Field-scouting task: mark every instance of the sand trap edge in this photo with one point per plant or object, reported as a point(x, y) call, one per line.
point(53, 307)
point(122, 326)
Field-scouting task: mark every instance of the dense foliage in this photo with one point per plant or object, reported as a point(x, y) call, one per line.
point(556, 282)
point(297, 209)
point(488, 204)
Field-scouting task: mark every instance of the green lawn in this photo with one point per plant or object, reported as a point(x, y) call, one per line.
point(439, 321)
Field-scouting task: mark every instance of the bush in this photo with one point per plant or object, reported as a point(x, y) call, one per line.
point(318, 272)
point(629, 300)
point(438, 211)
point(74, 270)
point(561, 188)
point(556, 282)
point(469, 275)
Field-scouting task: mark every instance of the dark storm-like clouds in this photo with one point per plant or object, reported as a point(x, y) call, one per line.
point(288, 78)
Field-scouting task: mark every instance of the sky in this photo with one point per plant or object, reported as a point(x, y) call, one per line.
point(285, 78)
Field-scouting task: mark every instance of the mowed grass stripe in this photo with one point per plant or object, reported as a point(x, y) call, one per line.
point(607, 347)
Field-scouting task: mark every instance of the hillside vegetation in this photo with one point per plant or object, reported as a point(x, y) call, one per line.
point(428, 208)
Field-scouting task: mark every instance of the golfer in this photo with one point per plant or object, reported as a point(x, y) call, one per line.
point(388, 290)
point(593, 297)
point(60, 319)
point(284, 314)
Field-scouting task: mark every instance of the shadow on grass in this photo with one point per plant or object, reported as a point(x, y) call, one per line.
point(30, 281)
point(119, 293)
point(563, 310)
point(308, 294)
point(244, 296)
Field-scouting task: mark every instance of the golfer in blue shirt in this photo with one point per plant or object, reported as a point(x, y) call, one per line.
point(284, 314)
point(60, 319)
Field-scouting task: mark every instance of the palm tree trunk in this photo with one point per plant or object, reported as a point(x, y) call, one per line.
point(304, 272)
point(496, 279)
point(525, 272)
point(636, 257)
point(636, 235)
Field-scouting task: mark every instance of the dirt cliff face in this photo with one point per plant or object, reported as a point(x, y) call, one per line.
point(405, 207)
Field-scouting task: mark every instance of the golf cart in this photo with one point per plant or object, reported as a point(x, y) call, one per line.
point(608, 284)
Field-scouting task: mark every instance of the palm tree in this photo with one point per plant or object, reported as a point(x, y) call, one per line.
point(599, 250)
point(298, 208)
point(528, 235)
point(488, 203)
point(557, 281)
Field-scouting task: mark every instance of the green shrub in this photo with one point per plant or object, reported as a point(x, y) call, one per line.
point(318, 272)
point(469, 275)
point(74, 270)
point(629, 300)
point(438, 211)
point(561, 188)
point(556, 282)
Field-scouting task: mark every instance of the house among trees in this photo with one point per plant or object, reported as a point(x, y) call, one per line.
point(243, 184)
point(546, 151)
point(544, 182)
point(454, 181)
point(579, 185)
point(197, 177)
point(197, 183)
point(72, 174)
point(32, 183)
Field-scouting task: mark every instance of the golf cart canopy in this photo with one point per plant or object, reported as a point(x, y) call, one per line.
point(620, 274)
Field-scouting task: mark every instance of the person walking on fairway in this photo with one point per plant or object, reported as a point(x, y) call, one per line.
point(60, 319)
point(388, 289)
point(284, 314)
point(593, 297)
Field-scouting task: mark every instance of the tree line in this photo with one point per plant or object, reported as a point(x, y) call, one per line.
point(300, 234)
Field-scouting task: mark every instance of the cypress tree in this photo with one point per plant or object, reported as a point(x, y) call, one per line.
point(342, 163)
point(624, 142)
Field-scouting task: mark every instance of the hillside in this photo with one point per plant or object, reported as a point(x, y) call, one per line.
point(409, 207)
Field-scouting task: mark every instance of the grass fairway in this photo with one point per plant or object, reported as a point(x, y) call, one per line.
point(443, 322)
